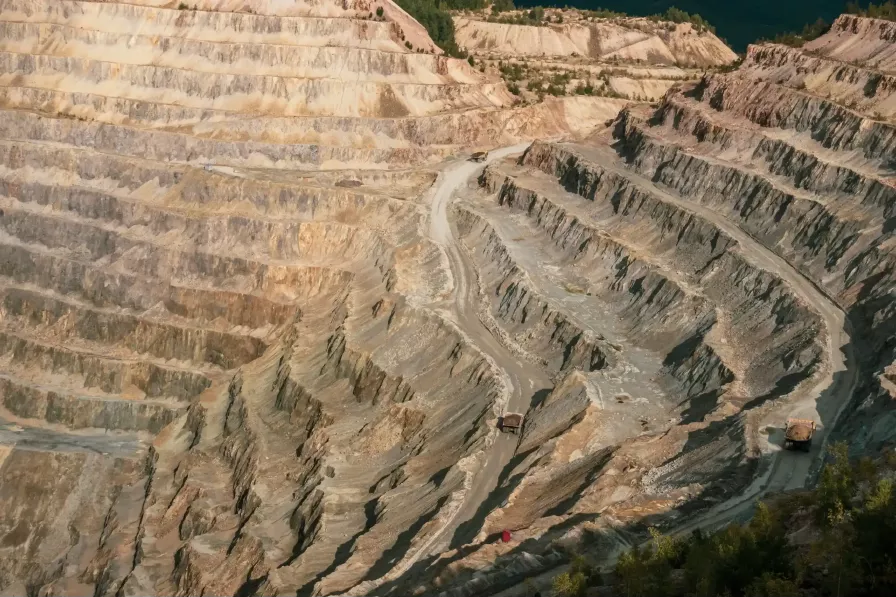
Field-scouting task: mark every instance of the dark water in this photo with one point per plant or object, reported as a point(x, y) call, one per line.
point(738, 22)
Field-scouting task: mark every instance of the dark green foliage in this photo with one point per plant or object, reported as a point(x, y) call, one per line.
point(585, 89)
point(511, 72)
point(853, 552)
point(601, 13)
point(502, 6)
point(182, 6)
point(676, 15)
point(536, 15)
point(513, 88)
point(885, 10)
point(379, 11)
point(573, 583)
point(808, 33)
point(434, 17)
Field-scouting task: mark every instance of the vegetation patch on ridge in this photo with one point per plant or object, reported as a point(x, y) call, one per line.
point(836, 539)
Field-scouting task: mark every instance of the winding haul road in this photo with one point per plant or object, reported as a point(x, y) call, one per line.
point(823, 402)
point(521, 380)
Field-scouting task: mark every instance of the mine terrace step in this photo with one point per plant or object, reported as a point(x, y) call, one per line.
point(311, 61)
point(203, 202)
point(776, 106)
point(238, 239)
point(786, 160)
point(239, 151)
point(28, 399)
point(63, 318)
point(219, 26)
point(864, 89)
point(29, 264)
point(191, 273)
point(683, 108)
point(680, 144)
point(548, 190)
point(96, 367)
point(248, 94)
point(787, 224)
point(30, 435)
point(417, 139)
point(146, 190)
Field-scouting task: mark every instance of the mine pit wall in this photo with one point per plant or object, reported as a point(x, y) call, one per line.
point(815, 237)
point(858, 39)
point(306, 424)
point(538, 327)
point(658, 314)
point(860, 88)
point(366, 64)
point(209, 25)
point(246, 140)
point(284, 96)
point(823, 178)
point(75, 412)
point(849, 257)
point(88, 509)
point(774, 106)
point(111, 377)
point(776, 336)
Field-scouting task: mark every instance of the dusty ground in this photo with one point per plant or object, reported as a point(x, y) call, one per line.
point(259, 315)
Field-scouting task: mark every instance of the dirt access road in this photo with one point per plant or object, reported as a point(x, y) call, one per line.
point(520, 378)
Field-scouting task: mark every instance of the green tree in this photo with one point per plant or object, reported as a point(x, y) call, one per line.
point(885, 10)
point(836, 486)
point(500, 6)
point(570, 584)
point(536, 15)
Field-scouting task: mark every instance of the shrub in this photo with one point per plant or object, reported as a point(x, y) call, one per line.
point(808, 33)
point(379, 11)
point(852, 552)
point(500, 6)
point(434, 17)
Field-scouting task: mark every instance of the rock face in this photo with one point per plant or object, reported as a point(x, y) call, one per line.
point(628, 40)
point(628, 58)
point(218, 369)
point(251, 344)
point(729, 255)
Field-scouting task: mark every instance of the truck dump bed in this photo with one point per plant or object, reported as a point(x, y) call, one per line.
point(799, 430)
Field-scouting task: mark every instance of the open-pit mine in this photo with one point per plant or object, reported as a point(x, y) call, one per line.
point(260, 316)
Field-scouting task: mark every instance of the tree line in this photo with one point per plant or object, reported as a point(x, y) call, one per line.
point(846, 528)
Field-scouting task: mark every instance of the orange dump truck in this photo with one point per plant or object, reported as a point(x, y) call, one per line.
point(798, 434)
point(511, 422)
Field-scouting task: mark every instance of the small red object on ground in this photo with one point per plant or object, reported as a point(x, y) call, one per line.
point(505, 536)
